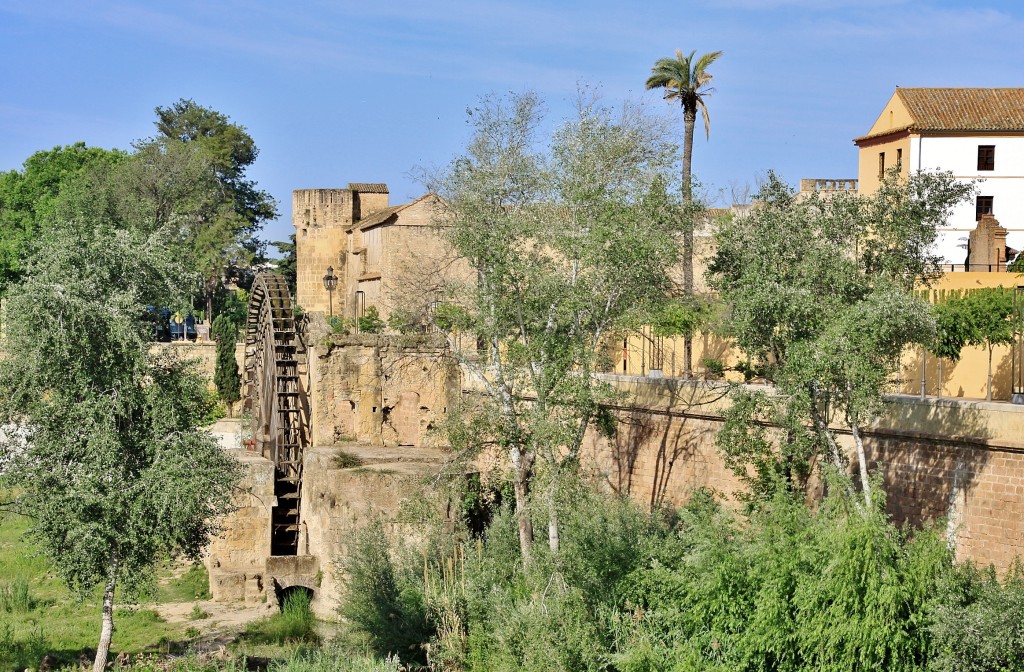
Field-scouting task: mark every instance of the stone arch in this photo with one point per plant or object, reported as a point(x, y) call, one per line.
point(286, 592)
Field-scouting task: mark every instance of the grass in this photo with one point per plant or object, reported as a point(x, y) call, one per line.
point(316, 660)
point(40, 616)
point(295, 624)
point(189, 586)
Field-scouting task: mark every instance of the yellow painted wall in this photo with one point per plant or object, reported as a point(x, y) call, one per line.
point(968, 377)
point(867, 162)
point(968, 281)
point(965, 379)
point(893, 116)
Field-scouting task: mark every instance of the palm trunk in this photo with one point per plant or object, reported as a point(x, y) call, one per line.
point(689, 120)
point(107, 629)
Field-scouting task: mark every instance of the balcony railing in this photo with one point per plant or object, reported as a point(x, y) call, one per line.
point(974, 268)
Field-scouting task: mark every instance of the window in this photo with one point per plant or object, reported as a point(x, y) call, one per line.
point(983, 206)
point(986, 157)
point(881, 165)
point(899, 158)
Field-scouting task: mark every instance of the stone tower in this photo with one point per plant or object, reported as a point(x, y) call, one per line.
point(322, 219)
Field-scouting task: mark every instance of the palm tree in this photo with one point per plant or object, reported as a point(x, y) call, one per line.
point(686, 80)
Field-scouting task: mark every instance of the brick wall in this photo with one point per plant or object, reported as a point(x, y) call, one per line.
point(953, 462)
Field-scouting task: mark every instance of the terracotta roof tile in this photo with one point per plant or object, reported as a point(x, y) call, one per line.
point(378, 217)
point(890, 131)
point(382, 216)
point(368, 187)
point(935, 109)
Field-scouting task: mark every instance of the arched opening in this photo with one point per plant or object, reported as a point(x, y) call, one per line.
point(293, 598)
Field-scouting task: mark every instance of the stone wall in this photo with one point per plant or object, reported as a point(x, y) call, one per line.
point(337, 502)
point(380, 389)
point(373, 398)
point(236, 559)
point(204, 353)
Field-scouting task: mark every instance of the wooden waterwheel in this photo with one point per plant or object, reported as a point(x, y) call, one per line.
point(274, 397)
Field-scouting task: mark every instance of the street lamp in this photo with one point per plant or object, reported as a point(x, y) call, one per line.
point(330, 284)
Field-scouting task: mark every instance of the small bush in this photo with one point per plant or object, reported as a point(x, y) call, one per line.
point(198, 613)
point(22, 652)
point(370, 323)
point(346, 460)
point(978, 623)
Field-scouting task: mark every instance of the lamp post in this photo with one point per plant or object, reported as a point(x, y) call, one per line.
point(330, 284)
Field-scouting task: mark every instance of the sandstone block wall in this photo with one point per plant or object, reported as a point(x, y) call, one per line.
point(236, 558)
point(385, 390)
point(320, 217)
point(339, 502)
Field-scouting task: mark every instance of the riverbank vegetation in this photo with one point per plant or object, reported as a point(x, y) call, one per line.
point(780, 587)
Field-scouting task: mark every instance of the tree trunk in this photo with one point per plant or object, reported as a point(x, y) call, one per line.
point(689, 120)
point(107, 629)
point(522, 467)
point(553, 537)
point(924, 373)
point(863, 459)
point(988, 388)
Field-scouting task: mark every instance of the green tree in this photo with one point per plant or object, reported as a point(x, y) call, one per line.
point(370, 323)
point(952, 331)
point(563, 247)
point(107, 458)
point(227, 239)
point(686, 80)
point(988, 316)
point(226, 376)
point(819, 295)
point(27, 197)
point(287, 265)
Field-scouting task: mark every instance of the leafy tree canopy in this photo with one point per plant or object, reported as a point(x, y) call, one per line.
point(818, 292)
point(565, 244)
point(107, 459)
point(27, 196)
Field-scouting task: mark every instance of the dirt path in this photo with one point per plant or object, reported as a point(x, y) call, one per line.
point(223, 622)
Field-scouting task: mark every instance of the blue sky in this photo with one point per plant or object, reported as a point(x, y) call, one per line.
point(338, 92)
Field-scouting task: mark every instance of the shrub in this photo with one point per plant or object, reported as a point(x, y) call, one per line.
point(370, 323)
point(978, 623)
point(345, 460)
point(383, 603)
